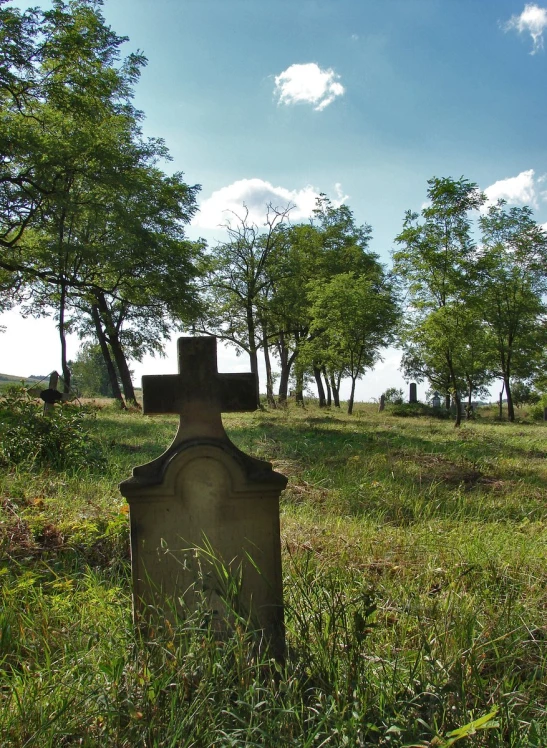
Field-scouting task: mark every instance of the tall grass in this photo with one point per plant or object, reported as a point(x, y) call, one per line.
point(415, 590)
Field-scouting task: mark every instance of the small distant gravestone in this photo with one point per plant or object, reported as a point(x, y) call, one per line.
point(203, 507)
point(436, 400)
point(382, 403)
point(413, 395)
point(545, 414)
point(52, 394)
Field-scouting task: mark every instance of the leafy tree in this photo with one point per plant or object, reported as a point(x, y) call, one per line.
point(353, 318)
point(66, 117)
point(512, 263)
point(239, 282)
point(523, 393)
point(287, 308)
point(332, 243)
point(90, 373)
point(435, 263)
point(144, 268)
point(394, 396)
point(91, 226)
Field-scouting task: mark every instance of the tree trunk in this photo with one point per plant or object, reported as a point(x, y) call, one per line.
point(117, 350)
point(112, 376)
point(320, 388)
point(351, 396)
point(469, 409)
point(510, 406)
point(268, 364)
point(447, 401)
point(327, 385)
point(62, 335)
point(286, 361)
point(457, 400)
point(253, 355)
point(285, 371)
point(300, 388)
point(123, 368)
point(335, 386)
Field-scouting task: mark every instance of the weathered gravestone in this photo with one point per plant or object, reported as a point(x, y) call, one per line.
point(382, 403)
point(413, 394)
point(204, 511)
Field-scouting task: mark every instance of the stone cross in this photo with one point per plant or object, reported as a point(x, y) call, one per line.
point(198, 393)
point(204, 511)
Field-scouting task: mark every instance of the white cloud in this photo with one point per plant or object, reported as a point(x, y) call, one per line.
point(519, 190)
point(341, 197)
point(309, 84)
point(532, 20)
point(256, 194)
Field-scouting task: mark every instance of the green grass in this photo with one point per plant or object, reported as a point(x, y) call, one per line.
point(415, 565)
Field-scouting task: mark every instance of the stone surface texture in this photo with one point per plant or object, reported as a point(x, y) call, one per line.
point(204, 508)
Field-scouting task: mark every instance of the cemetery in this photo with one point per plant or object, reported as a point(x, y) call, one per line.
point(264, 540)
point(403, 598)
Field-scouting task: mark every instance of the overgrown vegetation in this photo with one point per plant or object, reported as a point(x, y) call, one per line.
point(58, 441)
point(415, 577)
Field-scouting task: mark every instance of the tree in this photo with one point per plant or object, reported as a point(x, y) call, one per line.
point(436, 265)
point(353, 318)
point(512, 262)
point(90, 373)
point(239, 282)
point(90, 225)
point(66, 117)
point(332, 243)
point(144, 269)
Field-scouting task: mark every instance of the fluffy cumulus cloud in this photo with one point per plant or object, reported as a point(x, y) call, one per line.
point(519, 190)
point(533, 21)
point(308, 84)
point(255, 194)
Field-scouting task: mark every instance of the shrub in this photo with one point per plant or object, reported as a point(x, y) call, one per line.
point(393, 396)
point(536, 410)
point(60, 440)
point(415, 410)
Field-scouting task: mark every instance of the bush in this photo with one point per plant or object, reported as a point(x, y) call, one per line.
point(60, 440)
point(536, 411)
point(393, 396)
point(415, 410)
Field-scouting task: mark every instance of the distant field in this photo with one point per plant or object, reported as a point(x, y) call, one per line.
point(415, 578)
point(10, 378)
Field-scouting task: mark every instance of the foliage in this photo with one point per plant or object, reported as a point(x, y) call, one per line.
point(352, 318)
point(89, 221)
point(60, 441)
point(394, 396)
point(240, 280)
point(414, 410)
point(90, 375)
point(536, 411)
point(523, 393)
point(511, 265)
point(435, 262)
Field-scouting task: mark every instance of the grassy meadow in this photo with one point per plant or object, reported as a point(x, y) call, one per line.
point(415, 566)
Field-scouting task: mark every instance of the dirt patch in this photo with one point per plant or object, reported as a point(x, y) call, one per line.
point(436, 468)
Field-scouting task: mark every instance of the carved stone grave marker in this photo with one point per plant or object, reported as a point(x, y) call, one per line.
point(413, 394)
point(204, 505)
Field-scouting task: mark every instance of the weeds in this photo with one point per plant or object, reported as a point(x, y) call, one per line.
point(414, 578)
point(60, 441)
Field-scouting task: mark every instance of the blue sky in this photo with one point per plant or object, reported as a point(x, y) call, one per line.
point(364, 100)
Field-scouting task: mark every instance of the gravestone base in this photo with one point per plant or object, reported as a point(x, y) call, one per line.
point(205, 531)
